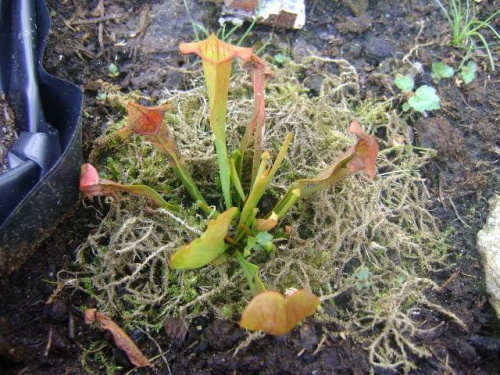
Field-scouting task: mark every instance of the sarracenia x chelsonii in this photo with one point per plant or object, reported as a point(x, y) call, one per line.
point(268, 311)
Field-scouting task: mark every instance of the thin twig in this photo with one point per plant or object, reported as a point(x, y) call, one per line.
point(49, 342)
point(101, 26)
point(90, 21)
point(415, 48)
point(321, 343)
point(457, 214)
point(159, 349)
point(179, 221)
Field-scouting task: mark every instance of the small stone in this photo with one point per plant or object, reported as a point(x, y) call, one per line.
point(308, 337)
point(377, 48)
point(288, 14)
point(222, 335)
point(488, 242)
point(176, 330)
point(57, 311)
point(356, 6)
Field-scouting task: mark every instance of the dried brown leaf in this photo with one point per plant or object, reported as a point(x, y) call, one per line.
point(120, 337)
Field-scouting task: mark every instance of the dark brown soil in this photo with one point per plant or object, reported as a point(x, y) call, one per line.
point(36, 338)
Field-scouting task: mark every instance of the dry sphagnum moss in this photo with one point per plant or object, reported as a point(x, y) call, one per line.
point(380, 226)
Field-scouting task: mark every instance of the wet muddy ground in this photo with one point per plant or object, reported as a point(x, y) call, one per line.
point(141, 38)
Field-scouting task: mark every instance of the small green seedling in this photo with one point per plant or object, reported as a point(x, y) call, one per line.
point(279, 58)
point(363, 275)
point(405, 84)
point(468, 30)
point(468, 72)
point(101, 96)
point(441, 70)
point(424, 99)
point(283, 56)
point(113, 70)
point(262, 241)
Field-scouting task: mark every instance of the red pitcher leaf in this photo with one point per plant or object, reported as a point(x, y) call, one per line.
point(265, 225)
point(366, 150)
point(144, 120)
point(217, 59)
point(259, 74)
point(215, 50)
point(361, 156)
point(272, 313)
point(208, 247)
point(259, 118)
point(148, 121)
point(120, 337)
point(89, 181)
point(91, 186)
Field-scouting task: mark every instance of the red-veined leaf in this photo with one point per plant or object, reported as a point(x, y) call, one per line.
point(215, 50)
point(259, 76)
point(366, 150)
point(143, 120)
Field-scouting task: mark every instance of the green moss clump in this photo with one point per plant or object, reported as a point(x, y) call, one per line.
point(383, 225)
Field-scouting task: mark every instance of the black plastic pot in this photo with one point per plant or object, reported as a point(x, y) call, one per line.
point(41, 184)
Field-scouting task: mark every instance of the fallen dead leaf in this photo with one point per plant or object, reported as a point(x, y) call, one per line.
point(120, 337)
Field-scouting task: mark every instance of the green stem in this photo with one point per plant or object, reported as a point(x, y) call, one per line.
point(262, 182)
point(181, 170)
point(143, 191)
point(252, 274)
point(236, 180)
point(224, 171)
point(286, 202)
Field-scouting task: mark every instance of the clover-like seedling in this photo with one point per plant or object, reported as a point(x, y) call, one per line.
point(405, 84)
point(113, 70)
point(424, 99)
point(363, 275)
point(441, 70)
point(468, 72)
point(279, 58)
